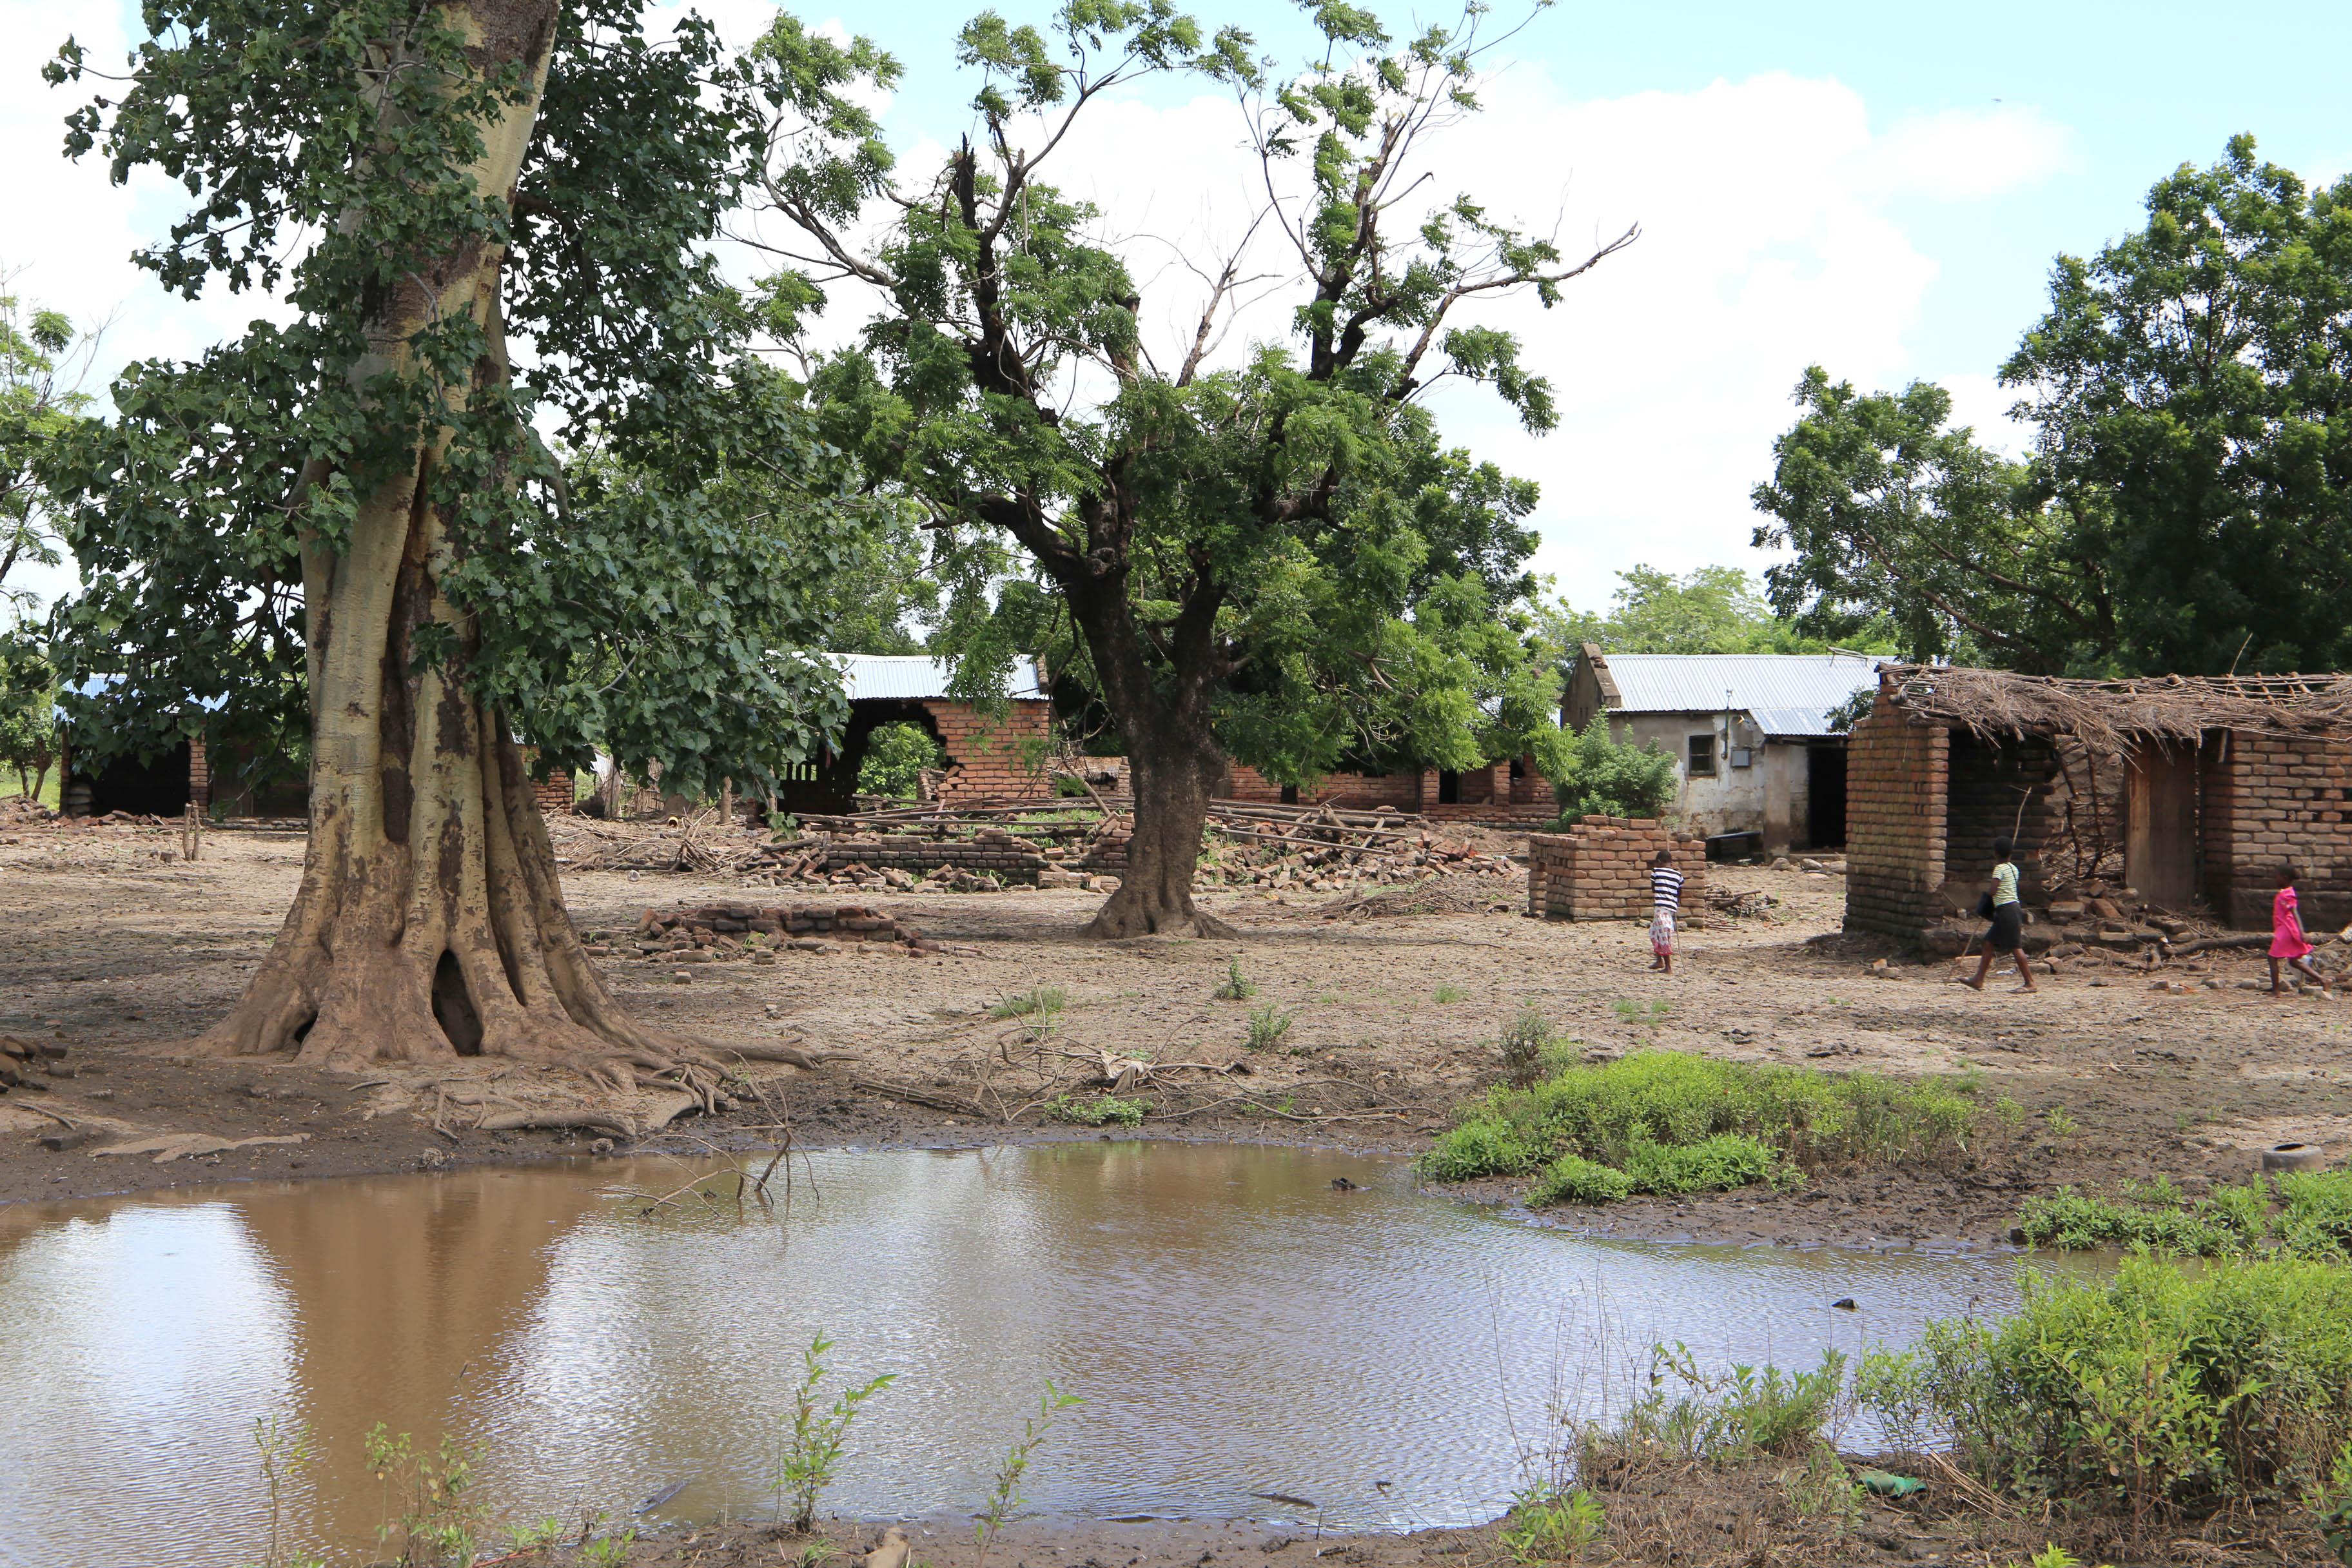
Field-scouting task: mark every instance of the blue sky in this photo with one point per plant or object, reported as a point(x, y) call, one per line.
point(1880, 188)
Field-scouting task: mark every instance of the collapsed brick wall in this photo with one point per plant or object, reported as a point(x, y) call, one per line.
point(991, 852)
point(1599, 869)
point(1487, 794)
point(985, 750)
point(1896, 777)
point(1351, 791)
point(553, 794)
point(2268, 799)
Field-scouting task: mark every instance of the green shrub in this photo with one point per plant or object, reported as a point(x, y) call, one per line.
point(2313, 1219)
point(1267, 1024)
point(1571, 1179)
point(1739, 1413)
point(2160, 1391)
point(1237, 986)
point(1524, 1044)
point(1477, 1148)
point(1041, 1002)
point(1601, 1112)
point(1593, 775)
point(1717, 1165)
point(895, 757)
point(1101, 1111)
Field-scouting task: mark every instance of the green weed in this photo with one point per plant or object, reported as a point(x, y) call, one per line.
point(1267, 1024)
point(2061, 1125)
point(1523, 1043)
point(1717, 1165)
point(1039, 1004)
point(811, 1451)
point(1237, 987)
point(1547, 1524)
point(286, 1451)
point(525, 1539)
point(610, 1550)
point(1101, 1111)
point(1571, 1179)
point(427, 1500)
point(1725, 1417)
point(1449, 994)
point(2313, 1219)
point(2008, 1112)
point(1004, 1498)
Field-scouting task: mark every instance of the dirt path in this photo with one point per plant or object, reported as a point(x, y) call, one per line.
point(1393, 1020)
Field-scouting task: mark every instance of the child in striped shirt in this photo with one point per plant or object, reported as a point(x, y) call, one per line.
point(1665, 901)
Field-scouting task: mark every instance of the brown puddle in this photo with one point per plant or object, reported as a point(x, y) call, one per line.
point(1240, 1329)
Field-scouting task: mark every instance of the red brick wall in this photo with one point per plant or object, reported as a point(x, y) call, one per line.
point(553, 794)
point(2269, 799)
point(1897, 782)
point(1351, 791)
point(200, 774)
point(1599, 869)
point(984, 750)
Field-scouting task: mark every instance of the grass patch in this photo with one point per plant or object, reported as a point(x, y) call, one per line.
point(1237, 986)
point(2161, 1394)
point(1097, 1110)
point(1670, 1122)
point(1449, 994)
point(2312, 1218)
point(1041, 1002)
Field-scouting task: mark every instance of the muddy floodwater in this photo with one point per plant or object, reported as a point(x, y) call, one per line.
point(1249, 1341)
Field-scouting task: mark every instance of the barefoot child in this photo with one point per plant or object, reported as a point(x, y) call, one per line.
point(1666, 899)
point(2287, 941)
point(2007, 933)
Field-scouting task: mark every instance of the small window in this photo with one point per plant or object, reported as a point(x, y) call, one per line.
point(1702, 757)
point(1449, 788)
point(1290, 794)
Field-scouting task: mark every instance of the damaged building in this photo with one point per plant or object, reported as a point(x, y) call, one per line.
point(2190, 792)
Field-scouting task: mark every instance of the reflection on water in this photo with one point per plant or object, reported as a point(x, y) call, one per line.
point(1235, 1325)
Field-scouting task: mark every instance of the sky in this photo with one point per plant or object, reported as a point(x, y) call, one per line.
point(1880, 190)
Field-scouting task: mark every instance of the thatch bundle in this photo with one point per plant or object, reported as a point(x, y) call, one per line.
point(2113, 714)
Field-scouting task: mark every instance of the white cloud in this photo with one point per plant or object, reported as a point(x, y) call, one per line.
point(1771, 241)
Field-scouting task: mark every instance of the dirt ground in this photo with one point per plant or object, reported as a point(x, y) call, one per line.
point(121, 948)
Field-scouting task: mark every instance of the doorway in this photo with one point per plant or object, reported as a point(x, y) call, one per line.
point(2160, 824)
point(1825, 797)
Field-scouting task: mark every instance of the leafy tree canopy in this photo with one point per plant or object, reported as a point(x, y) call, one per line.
point(1272, 553)
point(39, 403)
point(634, 609)
point(1713, 609)
point(2188, 505)
point(895, 757)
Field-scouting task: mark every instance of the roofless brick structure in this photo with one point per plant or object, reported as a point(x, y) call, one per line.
point(2190, 789)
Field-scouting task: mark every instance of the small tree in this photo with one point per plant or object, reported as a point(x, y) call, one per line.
point(28, 714)
point(895, 757)
point(1592, 775)
point(38, 401)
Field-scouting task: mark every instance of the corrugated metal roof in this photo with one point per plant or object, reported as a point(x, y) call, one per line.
point(867, 677)
point(1786, 693)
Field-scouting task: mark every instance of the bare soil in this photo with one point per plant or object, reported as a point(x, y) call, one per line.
point(121, 948)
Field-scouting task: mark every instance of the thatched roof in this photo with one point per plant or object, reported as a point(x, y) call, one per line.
point(2114, 713)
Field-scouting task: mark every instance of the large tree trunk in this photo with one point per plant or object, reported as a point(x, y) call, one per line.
point(1172, 777)
point(430, 923)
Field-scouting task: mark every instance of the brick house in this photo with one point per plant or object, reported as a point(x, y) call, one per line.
point(1512, 790)
point(989, 753)
point(2191, 790)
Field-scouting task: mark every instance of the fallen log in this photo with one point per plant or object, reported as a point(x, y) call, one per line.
point(914, 1096)
point(793, 1055)
point(2208, 943)
point(554, 1122)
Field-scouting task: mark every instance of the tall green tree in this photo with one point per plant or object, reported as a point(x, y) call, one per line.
point(1270, 556)
point(2187, 506)
point(40, 400)
point(1896, 515)
point(356, 503)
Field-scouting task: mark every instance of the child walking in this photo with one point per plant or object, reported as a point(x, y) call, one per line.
point(2287, 941)
point(2007, 933)
point(1665, 901)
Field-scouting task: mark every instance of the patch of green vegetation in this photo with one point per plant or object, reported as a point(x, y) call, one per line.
point(1449, 994)
point(1101, 1111)
point(1268, 1026)
point(1661, 1118)
point(1041, 1002)
point(1237, 987)
point(2313, 1219)
point(1524, 1044)
point(1723, 1417)
point(1573, 1179)
point(2158, 1392)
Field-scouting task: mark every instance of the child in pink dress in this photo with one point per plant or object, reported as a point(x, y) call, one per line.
point(2287, 942)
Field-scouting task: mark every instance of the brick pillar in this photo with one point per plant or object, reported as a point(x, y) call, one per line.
point(200, 774)
point(553, 794)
